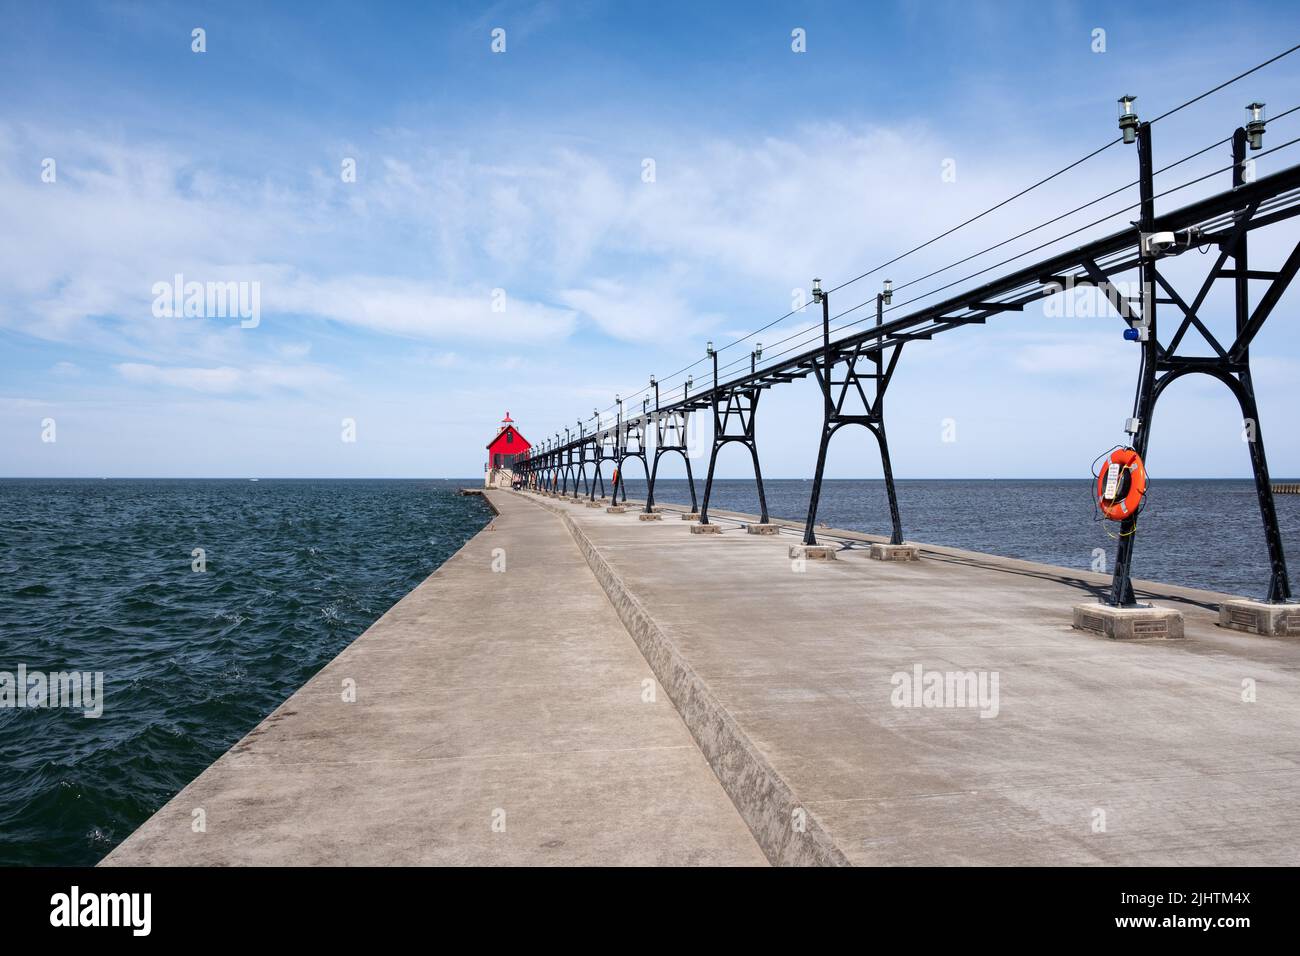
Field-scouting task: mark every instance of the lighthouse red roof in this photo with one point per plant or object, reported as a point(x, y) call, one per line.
point(508, 439)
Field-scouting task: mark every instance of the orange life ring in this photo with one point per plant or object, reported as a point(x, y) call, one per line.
point(1121, 485)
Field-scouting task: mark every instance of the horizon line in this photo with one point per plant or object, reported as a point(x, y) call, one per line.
point(1272, 479)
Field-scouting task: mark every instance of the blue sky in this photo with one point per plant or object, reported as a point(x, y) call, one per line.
point(522, 172)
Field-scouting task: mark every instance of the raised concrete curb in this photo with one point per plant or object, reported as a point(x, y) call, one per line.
point(765, 801)
point(1129, 623)
point(1256, 617)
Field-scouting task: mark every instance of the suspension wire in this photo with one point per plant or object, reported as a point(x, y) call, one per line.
point(994, 208)
point(904, 255)
point(1118, 212)
point(1019, 255)
point(1226, 83)
point(809, 335)
point(1066, 215)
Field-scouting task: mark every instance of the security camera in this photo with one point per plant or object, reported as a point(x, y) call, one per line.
point(1169, 243)
point(1158, 243)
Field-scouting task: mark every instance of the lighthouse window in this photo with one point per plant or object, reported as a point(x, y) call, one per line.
point(510, 437)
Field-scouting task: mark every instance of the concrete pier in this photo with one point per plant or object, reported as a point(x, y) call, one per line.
point(939, 711)
point(792, 674)
point(501, 717)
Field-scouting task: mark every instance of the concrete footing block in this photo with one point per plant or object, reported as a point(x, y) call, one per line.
point(595, 504)
point(616, 509)
point(691, 516)
point(1129, 623)
point(895, 552)
point(649, 516)
point(1257, 617)
point(706, 529)
point(813, 552)
point(762, 528)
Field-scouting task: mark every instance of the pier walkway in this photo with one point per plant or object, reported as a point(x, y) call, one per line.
point(784, 726)
point(1174, 752)
point(500, 718)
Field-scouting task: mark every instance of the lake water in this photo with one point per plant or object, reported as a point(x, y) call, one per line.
point(98, 576)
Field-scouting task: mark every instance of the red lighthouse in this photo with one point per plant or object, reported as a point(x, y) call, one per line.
point(502, 452)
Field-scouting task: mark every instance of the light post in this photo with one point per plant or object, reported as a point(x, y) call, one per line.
point(1255, 125)
point(1128, 119)
point(825, 300)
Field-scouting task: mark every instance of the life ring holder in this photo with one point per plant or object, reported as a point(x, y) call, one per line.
point(1120, 487)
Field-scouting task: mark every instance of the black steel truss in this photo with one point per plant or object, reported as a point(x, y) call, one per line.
point(1223, 220)
point(631, 444)
point(1163, 365)
point(840, 398)
point(734, 410)
point(604, 448)
point(670, 436)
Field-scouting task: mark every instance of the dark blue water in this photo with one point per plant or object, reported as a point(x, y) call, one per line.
point(1204, 534)
point(98, 576)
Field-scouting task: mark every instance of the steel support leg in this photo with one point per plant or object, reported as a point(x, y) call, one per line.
point(1279, 584)
point(708, 484)
point(809, 536)
point(895, 521)
point(758, 477)
point(650, 483)
point(654, 471)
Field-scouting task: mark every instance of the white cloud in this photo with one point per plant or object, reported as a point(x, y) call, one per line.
point(413, 250)
point(636, 312)
point(416, 309)
point(222, 379)
point(227, 379)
